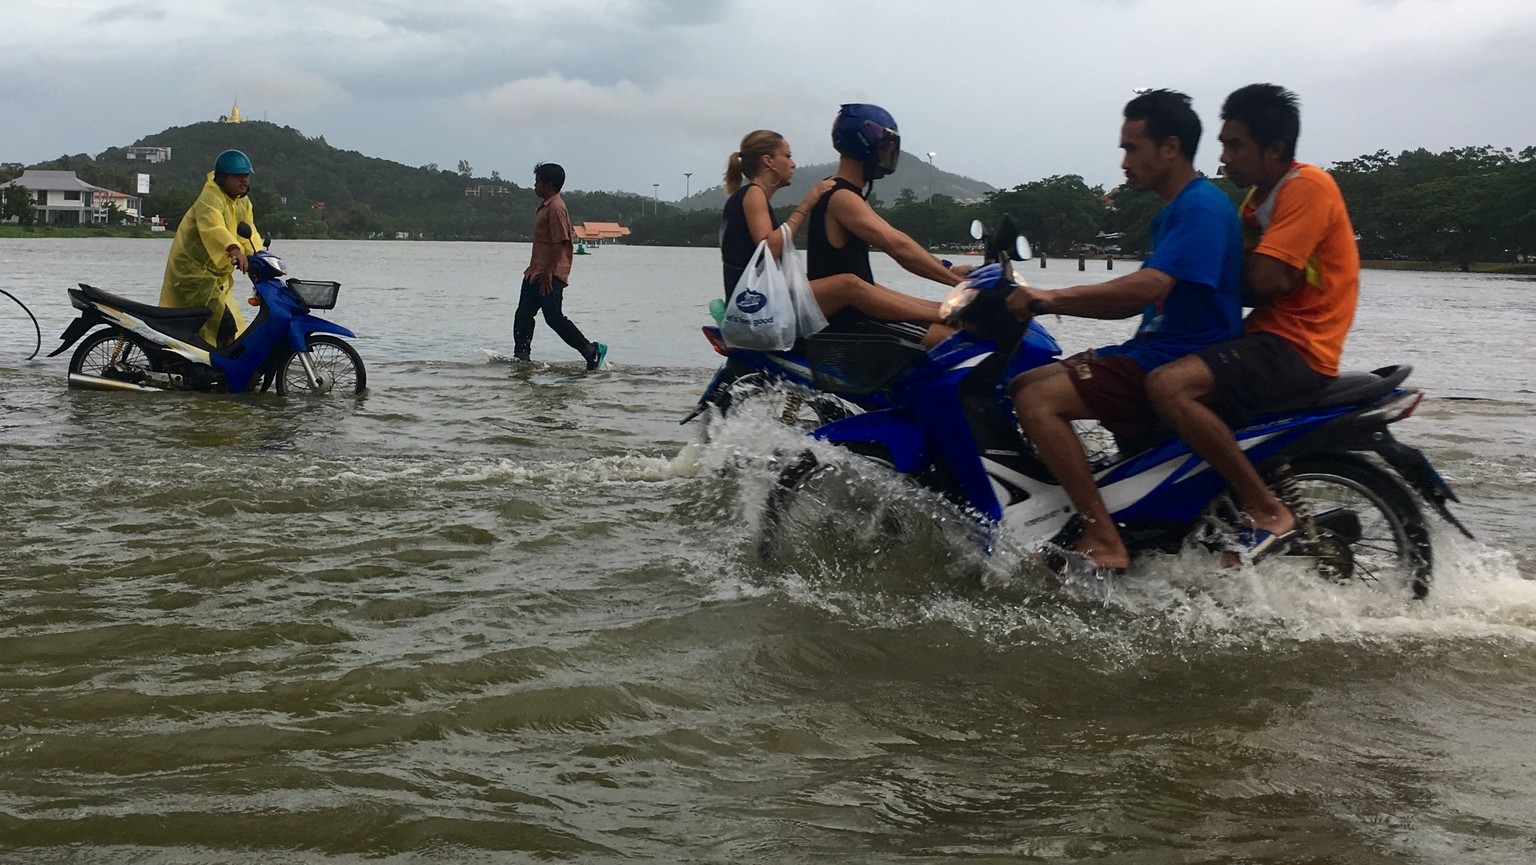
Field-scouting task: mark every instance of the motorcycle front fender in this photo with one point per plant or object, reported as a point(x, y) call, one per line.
point(889, 431)
point(302, 326)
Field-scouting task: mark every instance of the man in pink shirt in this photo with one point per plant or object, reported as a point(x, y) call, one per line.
point(549, 272)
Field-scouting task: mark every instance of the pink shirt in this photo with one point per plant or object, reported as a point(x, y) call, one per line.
point(552, 247)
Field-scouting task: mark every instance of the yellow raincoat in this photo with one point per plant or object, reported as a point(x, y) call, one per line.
point(198, 271)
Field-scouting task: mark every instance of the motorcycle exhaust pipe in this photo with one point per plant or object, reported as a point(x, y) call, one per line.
point(93, 382)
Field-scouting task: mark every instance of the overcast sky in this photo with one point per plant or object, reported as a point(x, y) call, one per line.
point(630, 93)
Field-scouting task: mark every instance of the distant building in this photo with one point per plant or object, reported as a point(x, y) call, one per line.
point(233, 116)
point(149, 154)
point(597, 233)
point(484, 190)
point(62, 198)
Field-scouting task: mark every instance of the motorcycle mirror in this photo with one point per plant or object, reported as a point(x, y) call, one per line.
point(1006, 231)
point(244, 230)
point(978, 231)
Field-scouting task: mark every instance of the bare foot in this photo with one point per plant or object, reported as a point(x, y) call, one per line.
point(1276, 522)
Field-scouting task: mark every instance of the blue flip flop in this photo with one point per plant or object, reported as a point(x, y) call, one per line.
point(1252, 543)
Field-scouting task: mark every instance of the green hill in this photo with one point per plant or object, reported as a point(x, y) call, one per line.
point(305, 187)
point(912, 173)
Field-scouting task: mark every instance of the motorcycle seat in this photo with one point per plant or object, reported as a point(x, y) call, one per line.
point(182, 322)
point(1349, 387)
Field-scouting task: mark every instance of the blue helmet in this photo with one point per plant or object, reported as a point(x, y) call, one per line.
point(867, 133)
point(232, 162)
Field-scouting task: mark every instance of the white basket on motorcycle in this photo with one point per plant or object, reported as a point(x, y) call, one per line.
point(315, 295)
point(858, 363)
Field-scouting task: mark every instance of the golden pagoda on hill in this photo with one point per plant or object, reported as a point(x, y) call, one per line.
point(233, 116)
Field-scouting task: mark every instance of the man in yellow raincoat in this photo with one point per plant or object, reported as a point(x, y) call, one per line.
point(200, 270)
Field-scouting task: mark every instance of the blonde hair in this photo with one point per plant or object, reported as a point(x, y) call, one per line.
point(745, 163)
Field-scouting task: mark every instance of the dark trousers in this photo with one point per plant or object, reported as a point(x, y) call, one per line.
point(530, 301)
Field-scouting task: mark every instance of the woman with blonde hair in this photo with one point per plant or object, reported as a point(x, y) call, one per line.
point(762, 166)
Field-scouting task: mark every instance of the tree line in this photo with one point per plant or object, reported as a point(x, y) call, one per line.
point(1474, 204)
point(1458, 206)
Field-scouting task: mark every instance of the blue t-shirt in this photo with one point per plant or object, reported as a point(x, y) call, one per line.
point(1198, 240)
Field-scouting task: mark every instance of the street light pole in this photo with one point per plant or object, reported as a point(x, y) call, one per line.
point(655, 198)
point(687, 182)
point(931, 155)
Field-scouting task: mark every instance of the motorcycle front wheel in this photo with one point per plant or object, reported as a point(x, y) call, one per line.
point(1370, 527)
point(336, 363)
point(115, 354)
point(830, 490)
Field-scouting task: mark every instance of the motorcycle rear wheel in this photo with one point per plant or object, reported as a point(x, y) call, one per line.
point(1392, 549)
point(340, 369)
point(114, 353)
point(770, 398)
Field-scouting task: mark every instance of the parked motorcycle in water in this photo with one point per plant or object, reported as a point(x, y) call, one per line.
point(143, 347)
point(940, 417)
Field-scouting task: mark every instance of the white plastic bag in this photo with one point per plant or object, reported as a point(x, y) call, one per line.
point(761, 313)
point(808, 315)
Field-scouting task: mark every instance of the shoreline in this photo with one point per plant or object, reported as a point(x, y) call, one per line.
point(143, 233)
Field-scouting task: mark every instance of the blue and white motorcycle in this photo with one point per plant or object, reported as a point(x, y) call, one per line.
point(940, 418)
point(136, 346)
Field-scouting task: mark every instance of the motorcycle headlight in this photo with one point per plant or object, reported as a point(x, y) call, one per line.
point(959, 298)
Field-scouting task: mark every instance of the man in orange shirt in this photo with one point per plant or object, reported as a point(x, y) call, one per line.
point(549, 272)
point(1302, 275)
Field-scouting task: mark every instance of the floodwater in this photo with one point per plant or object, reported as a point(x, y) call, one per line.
point(497, 613)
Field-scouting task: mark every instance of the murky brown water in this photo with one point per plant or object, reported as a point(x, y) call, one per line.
point(494, 613)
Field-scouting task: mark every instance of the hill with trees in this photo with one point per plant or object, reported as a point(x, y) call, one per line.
point(914, 176)
point(1460, 206)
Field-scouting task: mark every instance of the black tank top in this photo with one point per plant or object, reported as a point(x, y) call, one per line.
point(736, 243)
point(824, 259)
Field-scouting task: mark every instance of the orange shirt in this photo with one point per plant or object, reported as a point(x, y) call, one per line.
point(552, 247)
point(1304, 224)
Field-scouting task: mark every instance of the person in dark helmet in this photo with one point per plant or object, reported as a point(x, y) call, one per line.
point(843, 226)
point(200, 269)
point(762, 166)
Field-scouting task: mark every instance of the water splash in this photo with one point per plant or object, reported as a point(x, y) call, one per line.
point(884, 553)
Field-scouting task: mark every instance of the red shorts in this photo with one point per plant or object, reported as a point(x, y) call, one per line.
point(1114, 388)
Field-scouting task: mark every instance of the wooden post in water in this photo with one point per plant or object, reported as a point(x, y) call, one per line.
point(1109, 262)
point(1042, 261)
point(1082, 262)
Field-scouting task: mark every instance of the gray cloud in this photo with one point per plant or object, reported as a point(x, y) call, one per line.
point(146, 12)
point(634, 92)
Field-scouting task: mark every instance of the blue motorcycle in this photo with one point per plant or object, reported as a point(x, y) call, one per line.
point(143, 347)
point(940, 418)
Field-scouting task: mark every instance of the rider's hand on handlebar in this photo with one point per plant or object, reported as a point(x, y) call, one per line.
point(238, 259)
point(1025, 302)
point(961, 270)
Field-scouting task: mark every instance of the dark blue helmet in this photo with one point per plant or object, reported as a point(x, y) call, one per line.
point(232, 162)
point(867, 133)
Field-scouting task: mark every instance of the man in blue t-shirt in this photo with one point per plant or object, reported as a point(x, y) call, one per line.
point(1189, 294)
